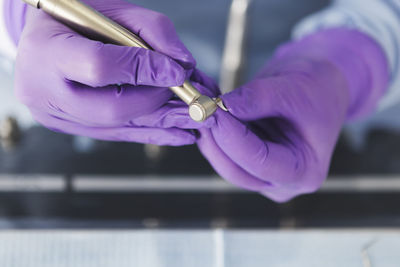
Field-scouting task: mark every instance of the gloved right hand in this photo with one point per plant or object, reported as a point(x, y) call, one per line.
point(79, 86)
point(282, 126)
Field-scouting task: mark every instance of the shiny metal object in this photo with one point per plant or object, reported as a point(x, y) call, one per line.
point(220, 104)
point(235, 42)
point(93, 24)
point(202, 108)
point(34, 3)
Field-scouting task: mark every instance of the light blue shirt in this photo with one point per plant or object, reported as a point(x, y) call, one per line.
point(380, 19)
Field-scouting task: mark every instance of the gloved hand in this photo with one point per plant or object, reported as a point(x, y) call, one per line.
point(75, 85)
point(286, 121)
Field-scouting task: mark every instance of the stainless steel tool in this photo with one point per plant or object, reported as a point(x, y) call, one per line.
point(93, 24)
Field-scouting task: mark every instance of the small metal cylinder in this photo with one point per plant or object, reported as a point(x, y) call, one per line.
point(186, 92)
point(202, 108)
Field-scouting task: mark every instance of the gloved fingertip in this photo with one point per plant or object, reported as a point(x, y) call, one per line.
point(184, 58)
point(279, 197)
point(210, 122)
point(229, 127)
point(188, 62)
point(235, 104)
point(228, 100)
point(167, 137)
point(185, 139)
point(185, 122)
point(177, 73)
point(154, 69)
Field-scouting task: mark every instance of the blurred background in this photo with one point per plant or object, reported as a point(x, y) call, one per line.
point(54, 181)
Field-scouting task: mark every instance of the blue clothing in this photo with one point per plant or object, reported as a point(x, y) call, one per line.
point(380, 19)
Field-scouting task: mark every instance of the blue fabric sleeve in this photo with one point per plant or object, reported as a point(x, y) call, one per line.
point(380, 19)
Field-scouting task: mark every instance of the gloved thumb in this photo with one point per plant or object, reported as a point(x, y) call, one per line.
point(257, 99)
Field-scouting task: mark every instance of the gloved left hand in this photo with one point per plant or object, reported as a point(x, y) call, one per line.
point(283, 125)
point(80, 86)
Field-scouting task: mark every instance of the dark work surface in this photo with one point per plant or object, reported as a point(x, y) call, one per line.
point(44, 152)
point(380, 155)
point(70, 210)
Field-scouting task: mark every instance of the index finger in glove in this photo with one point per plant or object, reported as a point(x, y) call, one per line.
point(272, 162)
point(148, 135)
point(222, 163)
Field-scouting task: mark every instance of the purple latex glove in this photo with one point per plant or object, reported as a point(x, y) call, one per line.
point(286, 121)
point(75, 85)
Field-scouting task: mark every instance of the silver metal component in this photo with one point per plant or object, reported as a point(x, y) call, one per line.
point(93, 24)
point(34, 3)
point(186, 92)
point(10, 133)
point(220, 104)
point(196, 112)
point(202, 108)
point(235, 42)
point(89, 22)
